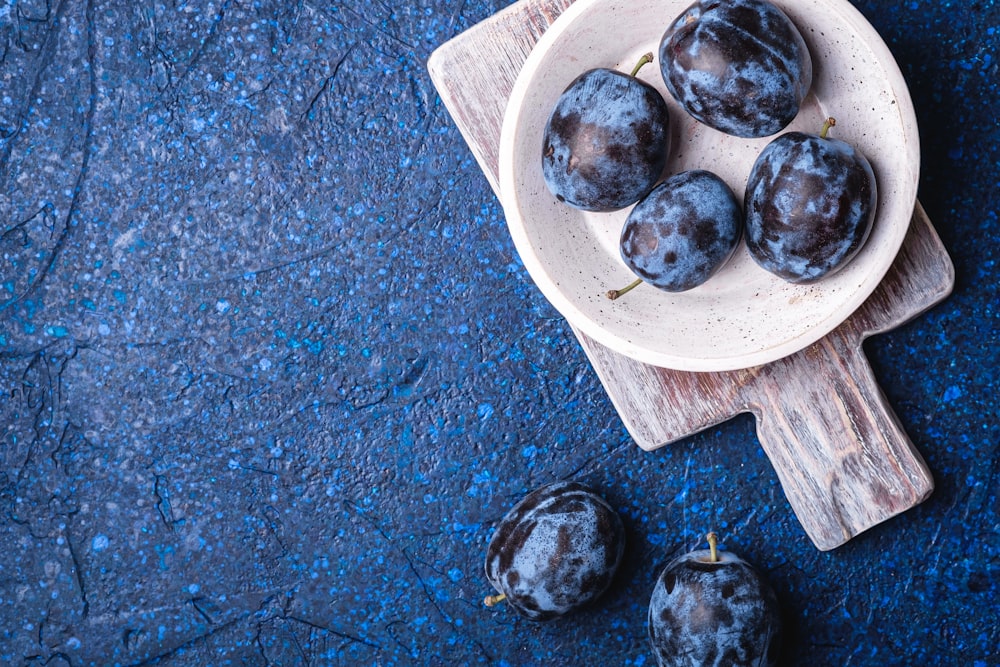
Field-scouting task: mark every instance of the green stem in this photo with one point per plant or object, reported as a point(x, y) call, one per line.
point(493, 600)
point(827, 124)
point(713, 546)
point(615, 293)
point(645, 59)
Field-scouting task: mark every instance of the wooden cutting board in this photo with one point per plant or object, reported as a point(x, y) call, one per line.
point(843, 459)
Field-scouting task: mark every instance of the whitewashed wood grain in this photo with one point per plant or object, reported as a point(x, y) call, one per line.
point(843, 459)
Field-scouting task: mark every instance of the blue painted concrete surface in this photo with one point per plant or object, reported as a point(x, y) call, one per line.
point(271, 370)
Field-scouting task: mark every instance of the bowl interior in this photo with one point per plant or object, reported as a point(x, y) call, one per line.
point(742, 316)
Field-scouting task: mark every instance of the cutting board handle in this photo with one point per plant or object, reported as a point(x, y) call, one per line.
point(844, 461)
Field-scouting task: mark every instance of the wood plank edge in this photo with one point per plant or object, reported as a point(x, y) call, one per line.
point(437, 68)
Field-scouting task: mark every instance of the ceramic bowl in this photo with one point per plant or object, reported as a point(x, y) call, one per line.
point(742, 316)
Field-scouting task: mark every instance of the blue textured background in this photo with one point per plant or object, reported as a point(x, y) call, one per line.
point(271, 370)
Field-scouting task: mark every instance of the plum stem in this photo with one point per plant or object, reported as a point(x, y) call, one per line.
point(827, 124)
point(493, 600)
point(713, 547)
point(644, 60)
point(615, 293)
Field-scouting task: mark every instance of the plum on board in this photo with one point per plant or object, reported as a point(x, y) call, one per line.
point(555, 551)
point(809, 205)
point(606, 142)
point(739, 66)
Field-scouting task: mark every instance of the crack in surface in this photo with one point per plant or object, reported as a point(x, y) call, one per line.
point(88, 128)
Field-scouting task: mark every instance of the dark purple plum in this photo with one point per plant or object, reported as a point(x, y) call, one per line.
point(683, 232)
point(739, 66)
point(713, 609)
point(606, 142)
point(809, 205)
point(555, 551)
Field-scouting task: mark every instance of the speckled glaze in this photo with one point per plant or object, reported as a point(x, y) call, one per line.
point(810, 203)
point(740, 66)
point(683, 232)
point(555, 551)
point(713, 614)
point(744, 316)
point(606, 142)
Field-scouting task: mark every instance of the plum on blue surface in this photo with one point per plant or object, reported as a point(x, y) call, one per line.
point(739, 66)
point(809, 205)
point(713, 609)
point(606, 142)
point(555, 551)
point(683, 232)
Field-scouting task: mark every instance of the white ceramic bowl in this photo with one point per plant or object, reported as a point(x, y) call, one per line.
point(743, 316)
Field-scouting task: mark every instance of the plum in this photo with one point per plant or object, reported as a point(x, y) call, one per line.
point(680, 234)
point(606, 142)
point(739, 66)
point(555, 551)
point(713, 609)
point(809, 205)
